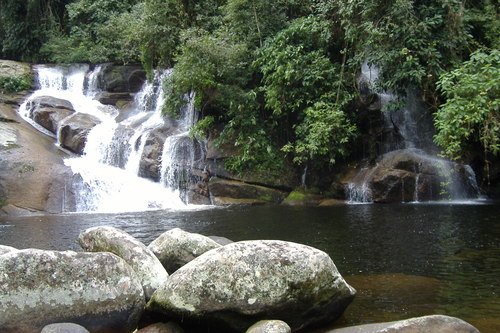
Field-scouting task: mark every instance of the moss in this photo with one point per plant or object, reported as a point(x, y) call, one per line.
point(295, 196)
point(26, 168)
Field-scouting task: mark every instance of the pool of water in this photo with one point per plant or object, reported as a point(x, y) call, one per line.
point(405, 260)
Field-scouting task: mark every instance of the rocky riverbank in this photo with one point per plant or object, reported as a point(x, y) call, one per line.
point(119, 285)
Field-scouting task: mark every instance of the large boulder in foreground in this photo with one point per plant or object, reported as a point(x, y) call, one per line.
point(98, 291)
point(234, 286)
point(137, 255)
point(177, 247)
point(433, 323)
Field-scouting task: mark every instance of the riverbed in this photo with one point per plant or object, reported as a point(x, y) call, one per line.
point(405, 260)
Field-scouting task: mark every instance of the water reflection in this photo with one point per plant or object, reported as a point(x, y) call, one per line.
point(405, 260)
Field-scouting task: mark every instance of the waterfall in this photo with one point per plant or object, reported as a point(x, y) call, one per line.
point(408, 131)
point(107, 175)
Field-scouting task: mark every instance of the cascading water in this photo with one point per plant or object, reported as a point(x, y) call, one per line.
point(409, 131)
point(107, 172)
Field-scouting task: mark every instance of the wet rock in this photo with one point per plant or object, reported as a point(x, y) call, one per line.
point(118, 79)
point(169, 327)
point(269, 326)
point(116, 99)
point(49, 111)
point(6, 249)
point(226, 192)
point(238, 284)
point(64, 328)
point(221, 240)
point(148, 268)
point(74, 131)
point(433, 323)
point(98, 291)
point(177, 247)
point(150, 164)
point(297, 198)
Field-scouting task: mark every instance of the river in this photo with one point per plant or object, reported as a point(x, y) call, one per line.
point(405, 260)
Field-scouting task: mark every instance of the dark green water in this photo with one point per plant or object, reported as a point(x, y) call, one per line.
point(405, 260)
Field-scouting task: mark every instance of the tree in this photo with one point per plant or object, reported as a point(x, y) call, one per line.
point(471, 113)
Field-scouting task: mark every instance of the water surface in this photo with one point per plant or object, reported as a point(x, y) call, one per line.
point(405, 260)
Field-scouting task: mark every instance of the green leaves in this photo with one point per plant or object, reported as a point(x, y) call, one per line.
point(471, 113)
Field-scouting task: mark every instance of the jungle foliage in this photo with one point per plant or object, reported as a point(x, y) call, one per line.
point(277, 78)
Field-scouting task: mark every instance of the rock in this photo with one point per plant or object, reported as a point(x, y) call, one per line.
point(64, 328)
point(74, 131)
point(296, 198)
point(238, 284)
point(48, 112)
point(269, 326)
point(331, 202)
point(113, 98)
point(6, 249)
point(119, 79)
point(433, 323)
point(223, 191)
point(96, 290)
point(169, 327)
point(150, 164)
point(177, 247)
point(221, 240)
point(137, 255)
point(14, 68)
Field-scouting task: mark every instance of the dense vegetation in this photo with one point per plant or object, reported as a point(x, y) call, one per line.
point(277, 78)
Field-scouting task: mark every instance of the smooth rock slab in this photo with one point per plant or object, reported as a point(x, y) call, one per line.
point(98, 291)
point(426, 324)
point(148, 268)
point(176, 247)
point(236, 285)
point(64, 328)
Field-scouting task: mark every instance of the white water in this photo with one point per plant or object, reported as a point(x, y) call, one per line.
point(108, 169)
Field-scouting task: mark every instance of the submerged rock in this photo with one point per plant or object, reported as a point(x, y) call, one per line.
point(98, 291)
point(434, 323)
point(234, 286)
point(137, 255)
point(269, 326)
point(228, 192)
point(177, 247)
point(64, 328)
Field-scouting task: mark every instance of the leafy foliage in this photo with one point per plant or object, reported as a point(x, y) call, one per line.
point(10, 84)
point(471, 112)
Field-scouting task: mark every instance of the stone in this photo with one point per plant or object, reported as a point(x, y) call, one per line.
point(221, 240)
point(64, 328)
point(98, 291)
point(148, 268)
point(176, 247)
point(49, 112)
point(6, 249)
point(113, 98)
point(269, 326)
point(432, 323)
point(236, 285)
point(74, 131)
point(117, 79)
point(223, 191)
point(169, 327)
point(14, 68)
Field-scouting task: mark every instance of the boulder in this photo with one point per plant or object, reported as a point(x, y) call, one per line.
point(177, 247)
point(14, 68)
point(114, 98)
point(48, 111)
point(150, 164)
point(64, 328)
point(236, 285)
point(118, 79)
point(74, 131)
point(148, 268)
point(224, 192)
point(433, 323)
point(98, 291)
point(269, 326)
point(6, 249)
